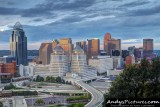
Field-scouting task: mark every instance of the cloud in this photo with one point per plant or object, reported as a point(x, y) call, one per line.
point(49, 6)
point(129, 20)
point(131, 41)
point(37, 20)
point(9, 11)
point(135, 3)
point(145, 12)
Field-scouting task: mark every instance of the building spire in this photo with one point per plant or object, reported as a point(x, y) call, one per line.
point(18, 26)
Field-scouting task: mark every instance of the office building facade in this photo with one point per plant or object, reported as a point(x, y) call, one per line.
point(45, 51)
point(93, 48)
point(147, 47)
point(66, 44)
point(18, 44)
point(111, 44)
point(82, 44)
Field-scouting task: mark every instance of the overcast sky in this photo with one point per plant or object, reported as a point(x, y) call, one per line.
point(45, 20)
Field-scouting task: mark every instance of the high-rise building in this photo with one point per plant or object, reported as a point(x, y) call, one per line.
point(78, 60)
point(138, 53)
point(111, 44)
point(106, 38)
point(93, 48)
point(18, 44)
point(82, 44)
point(66, 44)
point(45, 51)
point(148, 45)
point(79, 65)
point(58, 64)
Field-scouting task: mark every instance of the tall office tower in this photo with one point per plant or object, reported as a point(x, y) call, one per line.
point(58, 64)
point(148, 45)
point(82, 44)
point(106, 38)
point(111, 44)
point(78, 60)
point(93, 48)
point(18, 44)
point(138, 53)
point(66, 44)
point(79, 68)
point(45, 51)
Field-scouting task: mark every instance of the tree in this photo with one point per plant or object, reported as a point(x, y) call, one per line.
point(10, 86)
point(138, 81)
point(53, 79)
point(76, 105)
point(39, 79)
point(1, 104)
point(48, 79)
point(40, 101)
point(58, 79)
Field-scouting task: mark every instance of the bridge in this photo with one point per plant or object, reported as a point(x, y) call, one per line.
point(97, 96)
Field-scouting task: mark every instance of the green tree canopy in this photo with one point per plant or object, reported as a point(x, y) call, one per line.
point(1, 104)
point(39, 79)
point(138, 81)
point(39, 101)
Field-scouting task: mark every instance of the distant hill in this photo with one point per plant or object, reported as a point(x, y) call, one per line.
point(30, 53)
point(36, 52)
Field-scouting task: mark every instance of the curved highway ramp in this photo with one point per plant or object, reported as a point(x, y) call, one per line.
point(97, 96)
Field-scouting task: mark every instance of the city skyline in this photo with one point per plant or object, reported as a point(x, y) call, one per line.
point(47, 20)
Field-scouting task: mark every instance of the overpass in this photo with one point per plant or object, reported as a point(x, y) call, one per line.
point(97, 96)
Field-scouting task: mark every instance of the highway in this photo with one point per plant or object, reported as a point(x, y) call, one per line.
point(19, 101)
point(97, 96)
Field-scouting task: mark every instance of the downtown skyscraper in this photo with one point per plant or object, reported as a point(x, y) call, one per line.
point(93, 48)
point(148, 45)
point(111, 44)
point(18, 44)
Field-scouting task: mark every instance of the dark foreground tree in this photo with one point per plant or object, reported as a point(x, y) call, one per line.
point(138, 81)
point(1, 104)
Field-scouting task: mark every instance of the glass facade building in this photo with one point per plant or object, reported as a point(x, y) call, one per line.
point(18, 44)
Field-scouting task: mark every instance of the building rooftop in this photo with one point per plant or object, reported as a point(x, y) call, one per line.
point(78, 49)
point(58, 48)
point(18, 26)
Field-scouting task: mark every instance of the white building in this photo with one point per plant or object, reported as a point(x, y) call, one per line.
point(102, 63)
point(117, 62)
point(114, 72)
point(58, 66)
point(79, 67)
